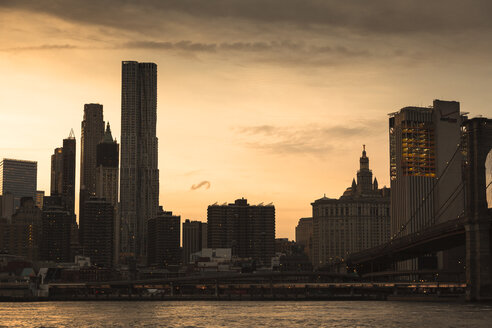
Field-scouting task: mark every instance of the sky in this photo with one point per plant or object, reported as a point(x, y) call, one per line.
point(268, 100)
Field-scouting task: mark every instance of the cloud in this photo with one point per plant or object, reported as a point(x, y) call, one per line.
point(41, 47)
point(201, 184)
point(310, 139)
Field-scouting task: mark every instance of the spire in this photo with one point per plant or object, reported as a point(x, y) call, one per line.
point(364, 151)
point(108, 138)
point(375, 184)
point(354, 185)
point(71, 135)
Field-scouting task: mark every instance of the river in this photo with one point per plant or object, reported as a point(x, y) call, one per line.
point(245, 314)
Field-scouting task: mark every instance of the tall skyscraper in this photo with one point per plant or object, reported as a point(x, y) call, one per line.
point(18, 178)
point(248, 229)
point(358, 220)
point(92, 132)
point(63, 172)
point(107, 181)
point(424, 146)
point(139, 175)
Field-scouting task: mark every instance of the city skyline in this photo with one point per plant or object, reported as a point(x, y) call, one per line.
point(253, 114)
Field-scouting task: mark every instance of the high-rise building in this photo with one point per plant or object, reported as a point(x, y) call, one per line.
point(425, 170)
point(28, 220)
point(358, 220)
point(57, 223)
point(39, 199)
point(99, 231)
point(163, 242)
point(248, 229)
point(7, 208)
point(194, 238)
point(139, 174)
point(92, 132)
point(63, 172)
point(107, 160)
point(19, 178)
point(304, 235)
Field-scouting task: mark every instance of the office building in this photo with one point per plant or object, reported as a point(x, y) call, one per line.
point(425, 171)
point(139, 174)
point(249, 230)
point(7, 208)
point(57, 224)
point(26, 222)
point(163, 242)
point(39, 199)
point(358, 220)
point(107, 174)
point(19, 178)
point(99, 231)
point(92, 132)
point(304, 235)
point(194, 238)
point(63, 172)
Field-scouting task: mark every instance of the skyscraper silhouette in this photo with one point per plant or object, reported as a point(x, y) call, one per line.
point(139, 176)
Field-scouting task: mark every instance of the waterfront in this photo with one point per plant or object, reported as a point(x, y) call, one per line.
point(245, 314)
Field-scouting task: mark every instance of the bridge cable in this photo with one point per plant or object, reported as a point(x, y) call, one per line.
point(438, 179)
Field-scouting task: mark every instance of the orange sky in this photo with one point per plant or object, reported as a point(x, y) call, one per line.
point(271, 103)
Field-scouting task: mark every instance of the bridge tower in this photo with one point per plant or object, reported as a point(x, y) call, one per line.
point(478, 143)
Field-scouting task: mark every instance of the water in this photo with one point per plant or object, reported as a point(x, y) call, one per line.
point(245, 314)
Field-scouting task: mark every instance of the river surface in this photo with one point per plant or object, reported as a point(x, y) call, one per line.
point(245, 314)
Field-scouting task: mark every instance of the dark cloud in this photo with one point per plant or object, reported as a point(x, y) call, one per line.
point(312, 139)
point(205, 184)
point(378, 16)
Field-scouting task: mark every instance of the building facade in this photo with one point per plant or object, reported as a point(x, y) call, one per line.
point(304, 235)
point(358, 220)
point(194, 238)
point(163, 242)
point(139, 174)
point(249, 230)
point(99, 231)
point(63, 172)
point(19, 178)
point(425, 171)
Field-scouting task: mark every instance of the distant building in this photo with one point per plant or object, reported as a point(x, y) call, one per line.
point(359, 219)
point(99, 231)
point(304, 235)
point(63, 172)
point(19, 178)
point(424, 146)
point(39, 199)
point(7, 208)
point(57, 224)
point(163, 244)
point(194, 238)
point(139, 173)
point(107, 161)
point(92, 132)
point(249, 230)
point(28, 219)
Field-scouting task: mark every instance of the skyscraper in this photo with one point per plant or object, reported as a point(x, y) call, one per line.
point(18, 178)
point(107, 181)
point(248, 229)
point(425, 169)
point(139, 176)
point(163, 239)
point(92, 132)
point(63, 173)
point(194, 238)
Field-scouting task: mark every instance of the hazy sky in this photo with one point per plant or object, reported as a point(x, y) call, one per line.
point(268, 100)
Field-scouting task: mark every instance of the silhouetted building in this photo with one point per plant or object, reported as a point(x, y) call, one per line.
point(57, 223)
point(63, 173)
point(92, 132)
point(29, 217)
point(139, 175)
point(304, 235)
point(359, 219)
point(39, 199)
point(163, 243)
point(194, 238)
point(107, 180)
point(99, 231)
point(7, 206)
point(19, 178)
point(425, 171)
point(249, 230)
